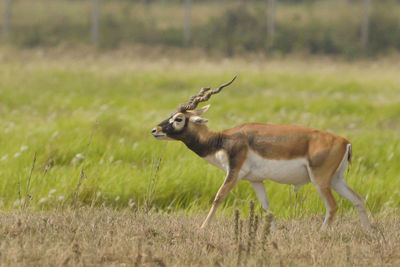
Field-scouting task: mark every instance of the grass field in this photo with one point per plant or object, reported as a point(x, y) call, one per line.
point(53, 105)
point(104, 237)
point(82, 110)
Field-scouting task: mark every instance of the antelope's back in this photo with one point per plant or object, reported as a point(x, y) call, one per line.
point(289, 141)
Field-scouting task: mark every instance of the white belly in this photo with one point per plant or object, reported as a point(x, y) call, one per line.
point(256, 168)
point(292, 171)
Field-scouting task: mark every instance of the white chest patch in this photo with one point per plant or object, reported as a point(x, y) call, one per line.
point(219, 159)
point(292, 171)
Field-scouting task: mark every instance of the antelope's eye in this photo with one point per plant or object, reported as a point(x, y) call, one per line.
point(178, 119)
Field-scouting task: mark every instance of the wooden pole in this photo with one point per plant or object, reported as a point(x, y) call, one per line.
point(187, 23)
point(365, 25)
point(6, 18)
point(95, 22)
point(271, 23)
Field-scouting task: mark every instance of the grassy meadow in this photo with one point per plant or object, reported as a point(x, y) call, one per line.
point(92, 112)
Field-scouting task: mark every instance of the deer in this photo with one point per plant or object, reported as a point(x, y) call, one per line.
point(287, 154)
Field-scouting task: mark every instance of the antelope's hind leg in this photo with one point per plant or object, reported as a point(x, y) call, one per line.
point(322, 183)
point(341, 187)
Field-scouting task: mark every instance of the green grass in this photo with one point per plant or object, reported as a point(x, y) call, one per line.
point(52, 105)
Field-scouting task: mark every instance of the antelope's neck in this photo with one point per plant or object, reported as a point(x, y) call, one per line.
point(203, 141)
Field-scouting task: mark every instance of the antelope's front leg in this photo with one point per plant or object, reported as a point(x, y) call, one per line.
point(259, 188)
point(230, 180)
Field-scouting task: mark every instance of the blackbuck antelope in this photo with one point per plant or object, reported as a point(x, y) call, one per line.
point(255, 152)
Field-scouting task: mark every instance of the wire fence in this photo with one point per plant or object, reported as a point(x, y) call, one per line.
point(336, 27)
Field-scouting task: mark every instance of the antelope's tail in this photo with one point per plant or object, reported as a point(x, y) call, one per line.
point(349, 153)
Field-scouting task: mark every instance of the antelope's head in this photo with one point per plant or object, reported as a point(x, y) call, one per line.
point(186, 116)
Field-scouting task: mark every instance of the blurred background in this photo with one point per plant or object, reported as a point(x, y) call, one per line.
point(349, 28)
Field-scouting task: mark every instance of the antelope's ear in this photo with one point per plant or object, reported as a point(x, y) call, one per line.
point(198, 120)
point(200, 111)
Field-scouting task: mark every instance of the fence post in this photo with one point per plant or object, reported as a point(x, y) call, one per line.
point(365, 24)
point(271, 23)
point(95, 22)
point(187, 23)
point(6, 18)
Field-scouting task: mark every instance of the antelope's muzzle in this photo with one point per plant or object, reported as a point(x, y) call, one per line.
point(157, 132)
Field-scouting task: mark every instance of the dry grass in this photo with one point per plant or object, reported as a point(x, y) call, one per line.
point(103, 236)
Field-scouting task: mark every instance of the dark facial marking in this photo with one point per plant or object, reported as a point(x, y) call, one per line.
point(169, 130)
point(166, 127)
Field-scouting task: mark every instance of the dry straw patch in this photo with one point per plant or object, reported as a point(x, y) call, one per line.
point(103, 236)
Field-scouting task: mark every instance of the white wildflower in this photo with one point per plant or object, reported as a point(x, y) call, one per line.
point(79, 156)
point(54, 134)
point(60, 198)
point(117, 198)
point(10, 127)
point(52, 191)
point(42, 200)
point(135, 145)
point(131, 203)
point(17, 203)
point(121, 140)
point(23, 148)
point(4, 157)
point(390, 156)
point(16, 155)
point(98, 194)
point(352, 125)
point(52, 116)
